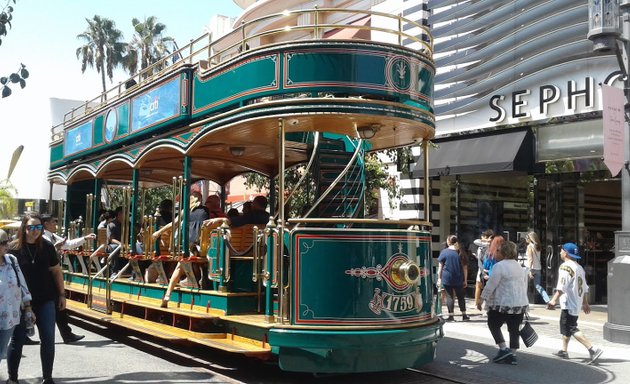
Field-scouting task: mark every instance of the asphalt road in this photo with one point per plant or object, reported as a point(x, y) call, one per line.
point(464, 356)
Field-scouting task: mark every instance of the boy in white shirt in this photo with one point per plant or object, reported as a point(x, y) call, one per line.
point(570, 291)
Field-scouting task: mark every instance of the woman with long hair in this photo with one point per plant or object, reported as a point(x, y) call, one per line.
point(533, 263)
point(38, 260)
point(14, 294)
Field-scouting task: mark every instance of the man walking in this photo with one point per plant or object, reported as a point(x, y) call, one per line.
point(50, 229)
point(570, 291)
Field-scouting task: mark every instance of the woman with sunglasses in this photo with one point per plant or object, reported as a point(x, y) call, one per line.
point(39, 263)
point(14, 295)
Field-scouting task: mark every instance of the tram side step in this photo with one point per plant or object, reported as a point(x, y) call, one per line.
point(150, 303)
point(222, 341)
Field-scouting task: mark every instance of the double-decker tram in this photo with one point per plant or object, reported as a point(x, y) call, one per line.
point(322, 291)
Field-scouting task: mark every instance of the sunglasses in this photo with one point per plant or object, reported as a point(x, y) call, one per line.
point(37, 227)
point(4, 242)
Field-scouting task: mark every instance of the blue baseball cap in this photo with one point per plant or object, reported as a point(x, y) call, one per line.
point(572, 250)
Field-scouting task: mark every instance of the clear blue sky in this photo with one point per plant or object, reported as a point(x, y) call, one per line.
point(43, 37)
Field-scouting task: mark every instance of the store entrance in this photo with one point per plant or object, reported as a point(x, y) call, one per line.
point(586, 213)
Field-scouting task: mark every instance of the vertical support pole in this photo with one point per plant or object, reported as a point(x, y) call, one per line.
point(457, 209)
point(223, 197)
point(316, 22)
point(617, 328)
point(135, 181)
point(98, 185)
point(427, 182)
point(400, 29)
point(186, 205)
point(268, 276)
point(243, 43)
point(66, 213)
point(272, 196)
point(281, 162)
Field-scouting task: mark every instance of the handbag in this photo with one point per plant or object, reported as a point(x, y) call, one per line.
point(528, 334)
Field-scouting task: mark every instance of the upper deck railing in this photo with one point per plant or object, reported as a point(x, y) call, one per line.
point(313, 24)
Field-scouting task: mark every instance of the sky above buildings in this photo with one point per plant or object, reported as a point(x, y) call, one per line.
point(43, 37)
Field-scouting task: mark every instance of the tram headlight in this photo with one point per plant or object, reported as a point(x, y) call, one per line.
point(408, 272)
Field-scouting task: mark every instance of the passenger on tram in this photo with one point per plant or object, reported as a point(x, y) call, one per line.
point(247, 208)
point(114, 230)
point(165, 210)
point(213, 204)
point(198, 214)
point(257, 215)
point(232, 212)
point(105, 218)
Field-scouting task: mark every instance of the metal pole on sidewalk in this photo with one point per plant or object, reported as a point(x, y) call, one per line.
point(604, 32)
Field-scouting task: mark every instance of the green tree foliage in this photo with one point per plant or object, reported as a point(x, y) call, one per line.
point(376, 177)
point(102, 47)
point(19, 76)
point(152, 198)
point(7, 201)
point(148, 44)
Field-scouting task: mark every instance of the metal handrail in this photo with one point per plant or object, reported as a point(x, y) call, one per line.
point(239, 48)
point(332, 185)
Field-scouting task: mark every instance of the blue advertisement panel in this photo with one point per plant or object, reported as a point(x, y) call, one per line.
point(156, 106)
point(78, 139)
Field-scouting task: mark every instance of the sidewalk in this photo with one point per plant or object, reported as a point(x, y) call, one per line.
point(467, 349)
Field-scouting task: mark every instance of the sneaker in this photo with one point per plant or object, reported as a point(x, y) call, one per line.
point(502, 355)
point(48, 381)
point(71, 338)
point(561, 354)
point(595, 354)
point(511, 360)
point(450, 319)
point(465, 318)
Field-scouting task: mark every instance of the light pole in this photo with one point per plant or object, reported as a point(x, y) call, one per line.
point(604, 32)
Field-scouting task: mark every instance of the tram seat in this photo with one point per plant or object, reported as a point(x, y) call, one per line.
point(241, 241)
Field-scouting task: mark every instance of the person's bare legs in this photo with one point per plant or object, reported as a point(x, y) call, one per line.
point(171, 285)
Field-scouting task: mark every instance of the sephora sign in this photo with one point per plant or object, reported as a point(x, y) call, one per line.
point(549, 100)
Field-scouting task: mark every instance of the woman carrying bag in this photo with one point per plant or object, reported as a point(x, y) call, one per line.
point(14, 295)
point(506, 301)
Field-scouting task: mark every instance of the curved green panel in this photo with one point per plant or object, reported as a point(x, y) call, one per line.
point(346, 277)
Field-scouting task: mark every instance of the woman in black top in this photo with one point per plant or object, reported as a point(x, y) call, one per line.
point(40, 265)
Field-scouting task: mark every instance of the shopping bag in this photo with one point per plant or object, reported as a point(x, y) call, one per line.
point(528, 334)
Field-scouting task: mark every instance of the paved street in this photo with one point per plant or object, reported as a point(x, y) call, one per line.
point(467, 349)
point(463, 356)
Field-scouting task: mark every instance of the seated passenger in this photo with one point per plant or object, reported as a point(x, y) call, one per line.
point(213, 205)
point(198, 215)
point(258, 215)
point(233, 212)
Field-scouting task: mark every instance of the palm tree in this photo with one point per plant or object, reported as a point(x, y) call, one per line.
point(148, 45)
point(7, 201)
point(102, 48)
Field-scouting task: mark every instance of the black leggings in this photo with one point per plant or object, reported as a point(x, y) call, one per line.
point(495, 322)
point(451, 292)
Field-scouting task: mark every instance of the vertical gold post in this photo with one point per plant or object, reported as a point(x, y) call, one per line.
point(281, 162)
point(181, 216)
point(427, 186)
point(400, 29)
point(316, 22)
point(171, 248)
